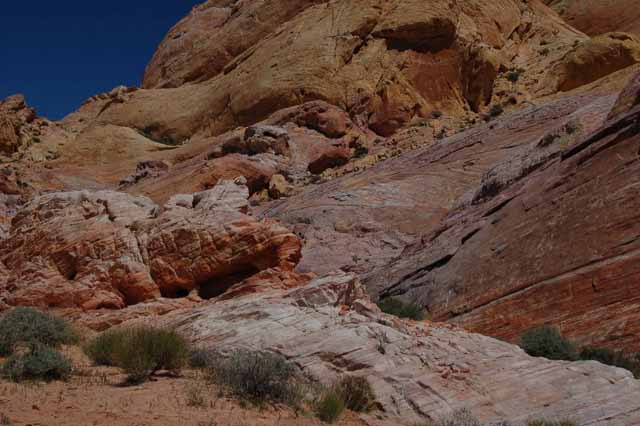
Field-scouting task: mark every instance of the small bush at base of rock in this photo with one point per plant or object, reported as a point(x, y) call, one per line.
point(202, 358)
point(459, 417)
point(397, 307)
point(39, 363)
point(139, 351)
point(30, 326)
point(357, 393)
point(102, 349)
point(549, 343)
point(613, 358)
point(329, 406)
point(258, 377)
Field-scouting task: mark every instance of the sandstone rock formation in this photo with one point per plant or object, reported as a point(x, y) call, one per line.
point(545, 239)
point(105, 249)
point(376, 54)
point(419, 371)
point(596, 58)
point(595, 17)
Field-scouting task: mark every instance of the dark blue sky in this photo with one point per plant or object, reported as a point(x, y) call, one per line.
point(58, 53)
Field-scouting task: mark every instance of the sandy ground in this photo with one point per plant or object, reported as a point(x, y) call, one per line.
point(94, 396)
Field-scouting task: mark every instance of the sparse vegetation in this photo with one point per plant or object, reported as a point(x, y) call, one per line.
point(32, 327)
point(613, 358)
point(356, 393)
point(436, 114)
point(459, 417)
point(140, 351)
point(360, 151)
point(549, 343)
point(258, 378)
point(40, 362)
point(196, 394)
point(201, 358)
point(513, 76)
point(330, 406)
point(496, 111)
point(397, 307)
point(547, 422)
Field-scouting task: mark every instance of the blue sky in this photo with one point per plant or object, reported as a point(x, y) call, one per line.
point(58, 53)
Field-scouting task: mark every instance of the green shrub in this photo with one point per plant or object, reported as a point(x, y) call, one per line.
point(102, 349)
point(329, 406)
point(614, 358)
point(547, 422)
point(513, 76)
point(549, 343)
point(202, 358)
point(39, 363)
point(357, 393)
point(30, 326)
point(397, 307)
point(258, 377)
point(496, 110)
point(139, 351)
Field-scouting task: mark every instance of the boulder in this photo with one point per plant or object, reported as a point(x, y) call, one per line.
point(596, 58)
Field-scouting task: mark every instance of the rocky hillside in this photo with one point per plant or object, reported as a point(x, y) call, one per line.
point(285, 164)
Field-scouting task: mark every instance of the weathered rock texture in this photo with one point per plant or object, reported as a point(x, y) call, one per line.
point(545, 238)
point(595, 17)
point(329, 328)
point(106, 249)
point(370, 58)
point(596, 58)
point(366, 219)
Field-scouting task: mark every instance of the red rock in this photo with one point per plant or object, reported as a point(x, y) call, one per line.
point(551, 241)
point(595, 17)
point(94, 250)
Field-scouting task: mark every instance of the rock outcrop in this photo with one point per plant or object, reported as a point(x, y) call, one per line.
point(105, 249)
point(419, 371)
point(370, 58)
point(595, 17)
point(549, 239)
point(596, 58)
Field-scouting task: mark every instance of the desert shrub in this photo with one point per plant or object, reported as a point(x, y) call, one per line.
point(103, 348)
point(258, 378)
point(459, 417)
point(40, 362)
point(139, 351)
point(436, 114)
point(549, 343)
point(495, 111)
point(614, 358)
point(547, 422)
point(397, 307)
point(330, 405)
point(513, 76)
point(30, 326)
point(356, 393)
point(202, 358)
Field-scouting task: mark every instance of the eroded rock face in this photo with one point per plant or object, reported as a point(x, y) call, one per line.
point(595, 59)
point(14, 114)
point(388, 62)
point(292, 144)
point(544, 240)
point(419, 371)
point(365, 220)
point(595, 17)
point(105, 249)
